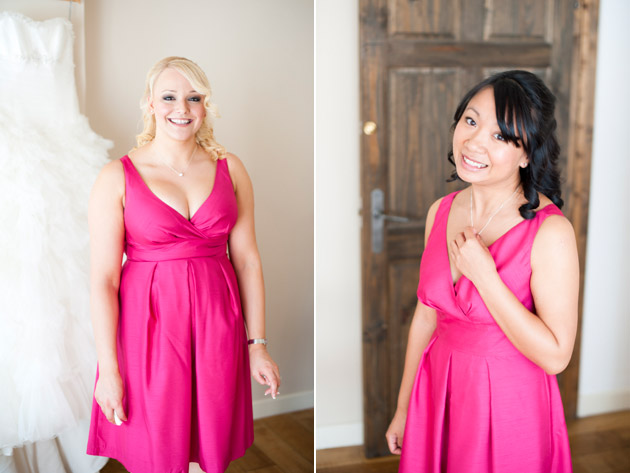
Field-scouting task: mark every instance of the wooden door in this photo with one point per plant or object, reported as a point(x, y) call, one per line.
point(418, 58)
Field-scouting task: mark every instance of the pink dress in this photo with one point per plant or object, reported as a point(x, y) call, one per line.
point(182, 346)
point(478, 405)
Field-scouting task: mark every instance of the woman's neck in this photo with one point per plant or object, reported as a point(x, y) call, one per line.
point(176, 153)
point(486, 199)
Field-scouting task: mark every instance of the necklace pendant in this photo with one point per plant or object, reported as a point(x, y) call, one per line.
point(180, 174)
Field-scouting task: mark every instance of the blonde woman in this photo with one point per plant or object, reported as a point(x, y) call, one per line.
point(180, 325)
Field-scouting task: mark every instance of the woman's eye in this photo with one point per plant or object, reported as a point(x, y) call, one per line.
point(499, 136)
point(168, 98)
point(195, 99)
point(470, 121)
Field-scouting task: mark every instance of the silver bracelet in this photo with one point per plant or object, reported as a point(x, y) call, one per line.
point(255, 341)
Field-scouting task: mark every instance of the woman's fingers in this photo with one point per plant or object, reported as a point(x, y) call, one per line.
point(272, 379)
point(260, 378)
point(113, 410)
point(460, 239)
point(109, 393)
point(265, 371)
point(469, 233)
point(114, 415)
point(274, 387)
point(109, 413)
point(392, 443)
point(120, 413)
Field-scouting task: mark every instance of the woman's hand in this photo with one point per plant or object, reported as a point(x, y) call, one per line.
point(471, 256)
point(263, 369)
point(394, 434)
point(108, 394)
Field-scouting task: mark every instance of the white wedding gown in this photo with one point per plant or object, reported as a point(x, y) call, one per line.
point(49, 158)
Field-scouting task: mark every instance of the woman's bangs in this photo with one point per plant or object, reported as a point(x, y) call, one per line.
point(510, 118)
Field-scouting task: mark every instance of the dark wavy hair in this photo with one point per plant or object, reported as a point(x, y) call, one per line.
point(525, 115)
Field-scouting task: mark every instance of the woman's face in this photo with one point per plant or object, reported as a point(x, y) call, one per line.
point(480, 153)
point(179, 109)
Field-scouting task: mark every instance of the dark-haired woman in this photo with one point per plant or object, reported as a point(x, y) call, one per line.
point(498, 294)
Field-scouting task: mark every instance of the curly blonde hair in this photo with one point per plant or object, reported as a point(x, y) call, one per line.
point(197, 78)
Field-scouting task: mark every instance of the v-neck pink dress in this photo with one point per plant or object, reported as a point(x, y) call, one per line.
point(478, 405)
point(182, 346)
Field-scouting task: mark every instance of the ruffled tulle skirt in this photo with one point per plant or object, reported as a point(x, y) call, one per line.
point(47, 356)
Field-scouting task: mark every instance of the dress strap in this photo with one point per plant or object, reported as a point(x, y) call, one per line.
point(223, 174)
point(129, 171)
point(438, 230)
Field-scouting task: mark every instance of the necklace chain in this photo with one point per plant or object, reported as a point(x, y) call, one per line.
point(181, 173)
point(491, 216)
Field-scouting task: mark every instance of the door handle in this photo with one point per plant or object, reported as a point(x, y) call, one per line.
point(379, 217)
point(369, 128)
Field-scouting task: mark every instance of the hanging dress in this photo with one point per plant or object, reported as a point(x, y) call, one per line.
point(182, 346)
point(478, 405)
point(49, 159)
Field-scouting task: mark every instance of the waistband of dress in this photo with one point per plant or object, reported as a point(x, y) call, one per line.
point(475, 338)
point(175, 252)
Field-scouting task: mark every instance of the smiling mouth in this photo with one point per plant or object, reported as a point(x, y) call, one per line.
point(179, 121)
point(474, 164)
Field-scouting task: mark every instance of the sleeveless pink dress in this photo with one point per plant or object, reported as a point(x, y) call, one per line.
point(182, 346)
point(478, 405)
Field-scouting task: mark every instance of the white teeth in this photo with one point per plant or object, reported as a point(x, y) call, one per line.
point(474, 164)
point(179, 121)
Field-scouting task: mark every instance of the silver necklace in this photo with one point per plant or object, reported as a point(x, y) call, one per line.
point(491, 216)
point(181, 173)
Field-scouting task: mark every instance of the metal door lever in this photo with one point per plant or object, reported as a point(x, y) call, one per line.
point(390, 217)
point(379, 218)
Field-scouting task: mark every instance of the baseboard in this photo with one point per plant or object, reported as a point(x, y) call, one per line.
point(601, 403)
point(283, 403)
point(343, 435)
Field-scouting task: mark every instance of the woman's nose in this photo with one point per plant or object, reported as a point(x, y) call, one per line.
point(182, 105)
point(475, 140)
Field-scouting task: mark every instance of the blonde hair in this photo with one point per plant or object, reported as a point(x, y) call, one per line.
point(197, 78)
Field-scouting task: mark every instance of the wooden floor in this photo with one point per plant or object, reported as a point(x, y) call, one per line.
point(282, 444)
point(599, 444)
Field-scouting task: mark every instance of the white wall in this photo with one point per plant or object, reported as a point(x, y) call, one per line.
point(604, 375)
point(259, 59)
point(338, 261)
point(605, 364)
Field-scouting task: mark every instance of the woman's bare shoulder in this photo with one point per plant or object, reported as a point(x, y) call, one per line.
point(111, 179)
point(234, 163)
point(431, 218)
point(433, 210)
point(112, 171)
point(554, 237)
point(553, 224)
point(236, 169)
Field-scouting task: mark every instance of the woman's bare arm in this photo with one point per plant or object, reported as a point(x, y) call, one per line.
point(247, 265)
point(422, 327)
point(107, 235)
